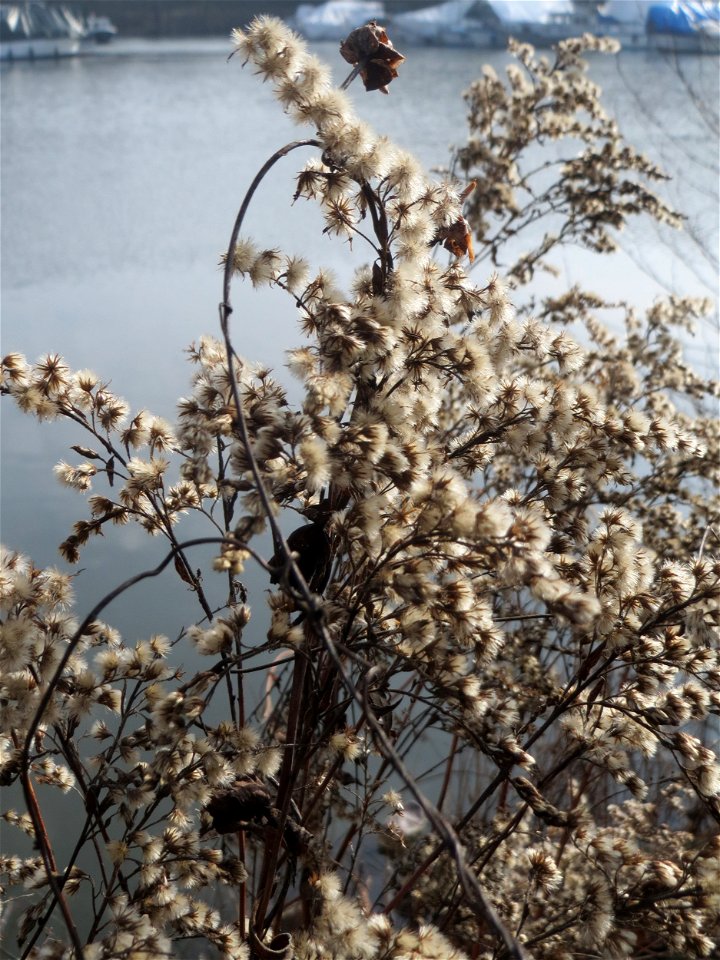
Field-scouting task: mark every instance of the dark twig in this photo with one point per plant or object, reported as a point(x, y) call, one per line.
point(473, 890)
point(226, 309)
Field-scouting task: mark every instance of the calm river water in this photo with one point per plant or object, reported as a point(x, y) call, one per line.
point(121, 177)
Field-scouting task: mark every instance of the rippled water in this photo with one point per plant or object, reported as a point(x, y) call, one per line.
point(121, 177)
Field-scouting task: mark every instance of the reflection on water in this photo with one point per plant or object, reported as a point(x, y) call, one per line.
point(121, 177)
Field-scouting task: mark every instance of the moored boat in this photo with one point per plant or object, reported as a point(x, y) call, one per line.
point(670, 25)
point(99, 29)
point(335, 19)
point(448, 24)
point(691, 26)
point(540, 23)
point(30, 31)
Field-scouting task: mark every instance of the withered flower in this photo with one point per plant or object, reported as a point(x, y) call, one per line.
point(370, 49)
point(457, 238)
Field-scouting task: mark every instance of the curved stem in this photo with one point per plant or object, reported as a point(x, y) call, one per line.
point(268, 165)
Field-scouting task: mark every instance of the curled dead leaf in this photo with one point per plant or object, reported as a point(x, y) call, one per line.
point(457, 238)
point(311, 545)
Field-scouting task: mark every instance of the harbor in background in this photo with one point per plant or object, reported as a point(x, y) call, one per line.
point(682, 26)
point(39, 29)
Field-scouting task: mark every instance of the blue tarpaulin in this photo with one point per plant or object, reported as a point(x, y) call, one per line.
point(682, 18)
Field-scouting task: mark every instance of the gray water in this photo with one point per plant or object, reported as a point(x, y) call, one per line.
point(121, 178)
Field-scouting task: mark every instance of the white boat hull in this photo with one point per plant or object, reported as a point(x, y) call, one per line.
point(335, 19)
point(39, 48)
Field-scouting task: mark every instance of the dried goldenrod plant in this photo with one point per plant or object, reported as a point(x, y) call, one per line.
point(487, 722)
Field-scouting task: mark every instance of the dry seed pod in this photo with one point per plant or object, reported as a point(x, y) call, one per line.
point(371, 49)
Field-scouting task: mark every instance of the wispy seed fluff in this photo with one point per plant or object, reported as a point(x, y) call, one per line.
point(313, 453)
point(210, 642)
point(275, 49)
point(415, 233)
point(406, 175)
point(79, 477)
point(244, 255)
point(295, 274)
point(312, 80)
point(349, 137)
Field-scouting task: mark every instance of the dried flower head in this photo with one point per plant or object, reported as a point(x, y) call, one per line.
point(371, 49)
